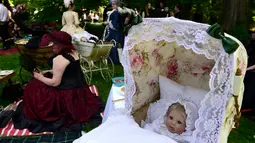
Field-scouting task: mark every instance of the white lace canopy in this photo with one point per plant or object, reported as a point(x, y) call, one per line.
point(193, 36)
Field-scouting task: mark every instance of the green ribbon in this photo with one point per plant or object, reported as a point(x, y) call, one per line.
point(216, 31)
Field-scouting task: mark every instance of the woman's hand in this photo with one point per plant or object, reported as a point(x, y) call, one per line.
point(127, 19)
point(105, 23)
point(38, 75)
point(250, 68)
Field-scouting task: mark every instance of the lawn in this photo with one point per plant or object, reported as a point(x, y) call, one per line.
point(244, 134)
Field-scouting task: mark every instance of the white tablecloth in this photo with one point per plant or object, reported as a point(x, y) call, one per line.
point(112, 104)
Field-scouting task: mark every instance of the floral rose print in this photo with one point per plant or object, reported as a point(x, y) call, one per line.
point(155, 53)
point(172, 68)
point(137, 62)
point(206, 68)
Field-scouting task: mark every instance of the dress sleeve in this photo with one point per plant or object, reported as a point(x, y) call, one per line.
point(114, 18)
point(76, 19)
point(63, 20)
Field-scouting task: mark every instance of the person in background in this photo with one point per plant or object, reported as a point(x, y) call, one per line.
point(161, 10)
point(21, 17)
point(84, 14)
point(96, 17)
point(149, 11)
point(114, 30)
point(4, 19)
point(90, 16)
point(248, 106)
point(11, 21)
point(70, 20)
point(177, 12)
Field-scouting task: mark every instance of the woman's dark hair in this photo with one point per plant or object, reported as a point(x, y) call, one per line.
point(71, 4)
point(146, 8)
point(160, 1)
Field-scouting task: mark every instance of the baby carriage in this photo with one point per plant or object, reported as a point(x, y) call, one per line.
point(95, 57)
point(184, 52)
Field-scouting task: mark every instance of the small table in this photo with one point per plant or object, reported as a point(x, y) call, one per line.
point(6, 75)
point(116, 100)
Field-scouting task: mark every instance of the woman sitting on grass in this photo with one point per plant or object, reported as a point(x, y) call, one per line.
point(59, 100)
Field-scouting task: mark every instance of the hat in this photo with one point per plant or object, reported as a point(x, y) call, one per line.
point(58, 37)
point(68, 3)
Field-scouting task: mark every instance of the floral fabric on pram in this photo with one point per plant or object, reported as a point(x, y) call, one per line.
point(183, 52)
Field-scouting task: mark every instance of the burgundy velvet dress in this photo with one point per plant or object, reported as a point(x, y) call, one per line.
point(62, 108)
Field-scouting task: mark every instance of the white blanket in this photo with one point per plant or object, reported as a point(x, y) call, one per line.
point(84, 34)
point(122, 129)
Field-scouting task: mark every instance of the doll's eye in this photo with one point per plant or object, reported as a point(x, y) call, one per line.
point(179, 122)
point(170, 117)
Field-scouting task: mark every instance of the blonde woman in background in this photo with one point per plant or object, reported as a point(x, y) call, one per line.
point(149, 11)
point(70, 20)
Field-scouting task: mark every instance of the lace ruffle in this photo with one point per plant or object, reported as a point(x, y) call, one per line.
point(160, 127)
point(162, 105)
point(193, 36)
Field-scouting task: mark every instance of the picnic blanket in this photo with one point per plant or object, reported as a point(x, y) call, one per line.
point(9, 129)
point(68, 137)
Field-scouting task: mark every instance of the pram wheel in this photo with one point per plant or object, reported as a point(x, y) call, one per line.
point(86, 68)
point(107, 68)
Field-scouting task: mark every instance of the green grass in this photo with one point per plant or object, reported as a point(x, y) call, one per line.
point(12, 62)
point(244, 134)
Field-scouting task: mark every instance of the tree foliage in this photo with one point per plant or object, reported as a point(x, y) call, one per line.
point(51, 11)
point(211, 10)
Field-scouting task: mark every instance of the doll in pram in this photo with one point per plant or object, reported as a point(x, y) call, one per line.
point(167, 60)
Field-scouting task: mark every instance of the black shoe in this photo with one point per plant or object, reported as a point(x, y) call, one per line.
point(5, 117)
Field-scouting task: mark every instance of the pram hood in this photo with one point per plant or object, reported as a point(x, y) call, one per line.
point(184, 52)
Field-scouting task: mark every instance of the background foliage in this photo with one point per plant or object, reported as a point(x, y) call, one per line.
point(211, 10)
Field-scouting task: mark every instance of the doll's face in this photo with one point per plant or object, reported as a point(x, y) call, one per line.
point(176, 122)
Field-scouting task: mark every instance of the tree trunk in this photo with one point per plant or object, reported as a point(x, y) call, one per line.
point(234, 13)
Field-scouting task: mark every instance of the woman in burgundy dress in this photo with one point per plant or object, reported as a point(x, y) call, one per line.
point(59, 100)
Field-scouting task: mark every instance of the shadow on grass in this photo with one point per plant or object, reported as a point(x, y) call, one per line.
point(244, 134)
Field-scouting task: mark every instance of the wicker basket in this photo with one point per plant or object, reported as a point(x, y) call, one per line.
point(93, 51)
point(39, 55)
